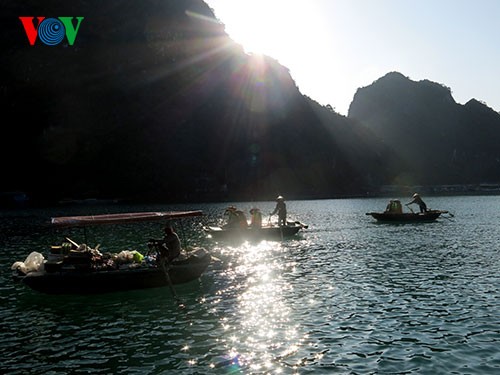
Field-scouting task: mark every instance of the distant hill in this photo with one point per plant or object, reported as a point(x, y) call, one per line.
point(438, 140)
point(155, 102)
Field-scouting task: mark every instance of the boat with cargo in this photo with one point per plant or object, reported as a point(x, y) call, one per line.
point(73, 268)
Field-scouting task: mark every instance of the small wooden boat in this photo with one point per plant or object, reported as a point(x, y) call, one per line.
point(77, 269)
point(407, 217)
point(266, 232)
point(70, 280)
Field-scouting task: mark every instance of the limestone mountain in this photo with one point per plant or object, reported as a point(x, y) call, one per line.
point(154, 101)
point(437, 140)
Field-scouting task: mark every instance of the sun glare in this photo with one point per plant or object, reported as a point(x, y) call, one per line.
point(261, 26)
point(293, 32)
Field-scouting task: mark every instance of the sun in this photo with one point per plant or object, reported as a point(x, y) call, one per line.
point(296, 33)
point(261, 26)
point(299, 34)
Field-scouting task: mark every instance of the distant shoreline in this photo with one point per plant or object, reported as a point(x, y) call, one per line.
point(81, 203)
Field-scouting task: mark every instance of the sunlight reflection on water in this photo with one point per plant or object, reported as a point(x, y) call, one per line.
point(263, 331)
point(346, 296)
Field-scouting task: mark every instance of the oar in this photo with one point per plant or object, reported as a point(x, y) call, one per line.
point(165, 271)
point(169, 282)
point(448, 212)
point(410, 208)
point(446, 217)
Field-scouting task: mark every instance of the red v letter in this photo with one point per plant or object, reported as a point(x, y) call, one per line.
point(29, 28)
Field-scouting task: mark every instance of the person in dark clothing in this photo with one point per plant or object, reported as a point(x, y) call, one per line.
point(167, 248)
point(280, 209)
point(172, 242)
point(418, 200)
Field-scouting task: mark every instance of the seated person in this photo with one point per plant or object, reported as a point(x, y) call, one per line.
point(169, 247)
point(256, 218)
point(394, 206)
point(236, 218)
point(242, 219)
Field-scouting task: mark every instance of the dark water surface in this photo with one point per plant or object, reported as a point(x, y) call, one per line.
point(347, 296)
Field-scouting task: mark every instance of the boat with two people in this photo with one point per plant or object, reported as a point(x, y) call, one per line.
point(73, 268)
point(394, 214)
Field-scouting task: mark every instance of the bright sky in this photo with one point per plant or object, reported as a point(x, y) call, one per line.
point(333, 47)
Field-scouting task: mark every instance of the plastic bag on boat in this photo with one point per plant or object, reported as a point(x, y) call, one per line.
point(130, 256)
point(125, 256)
point(33, 262)
point(137, 256)
point(19, 266)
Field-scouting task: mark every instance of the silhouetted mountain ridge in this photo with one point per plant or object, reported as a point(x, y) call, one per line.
point(441, 141)
point(154, 101)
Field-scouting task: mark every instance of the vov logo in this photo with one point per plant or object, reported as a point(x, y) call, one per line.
point(51, 31)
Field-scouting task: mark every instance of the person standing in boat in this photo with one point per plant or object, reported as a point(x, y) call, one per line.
point(280, 209)
point(418, 200)
point(256, 218)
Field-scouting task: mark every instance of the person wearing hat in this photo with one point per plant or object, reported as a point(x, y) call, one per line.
point(280, 209)
point(255, 218)
point(236, 218)
point(232, 217)
point(417, 200)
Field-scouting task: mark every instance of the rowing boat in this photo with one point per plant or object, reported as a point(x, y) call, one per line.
point(78, 269)
point(407, 217)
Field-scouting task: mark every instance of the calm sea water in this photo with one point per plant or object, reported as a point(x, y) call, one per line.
point(347, 296)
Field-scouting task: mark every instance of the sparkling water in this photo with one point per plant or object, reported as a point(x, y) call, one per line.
point(347, 295)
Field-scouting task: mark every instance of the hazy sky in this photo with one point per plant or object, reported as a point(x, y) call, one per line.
point(333, 47)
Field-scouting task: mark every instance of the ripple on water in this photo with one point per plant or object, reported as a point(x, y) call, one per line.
point(348, 296)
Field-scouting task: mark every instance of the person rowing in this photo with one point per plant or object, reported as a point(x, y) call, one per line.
point(418, 200)
point(280, 209)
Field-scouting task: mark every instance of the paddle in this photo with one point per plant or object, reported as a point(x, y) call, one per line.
point(446, 217)
point(170, 285)
point(154, 246)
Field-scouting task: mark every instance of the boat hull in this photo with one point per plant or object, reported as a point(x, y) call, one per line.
point(105, 281)
point(391, 217)
point(264, 233)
